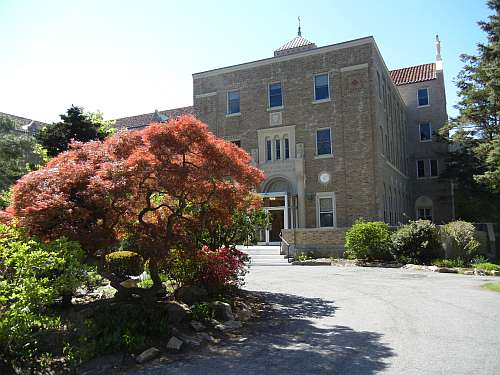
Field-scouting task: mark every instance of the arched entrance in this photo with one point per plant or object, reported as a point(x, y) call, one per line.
point(275, 196)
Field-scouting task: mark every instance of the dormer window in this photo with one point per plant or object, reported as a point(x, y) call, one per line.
point(423, 97)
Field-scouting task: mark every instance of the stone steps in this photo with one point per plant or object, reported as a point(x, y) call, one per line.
point(264, 256)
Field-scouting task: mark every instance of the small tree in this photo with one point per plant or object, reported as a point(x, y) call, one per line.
point(76, 125)
point(159, 188)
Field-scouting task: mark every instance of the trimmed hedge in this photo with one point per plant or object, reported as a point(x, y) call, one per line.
point(124, 263)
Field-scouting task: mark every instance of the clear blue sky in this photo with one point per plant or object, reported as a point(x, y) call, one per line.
point(131, 57)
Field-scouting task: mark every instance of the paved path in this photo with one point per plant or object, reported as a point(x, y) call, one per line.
point(330, 320)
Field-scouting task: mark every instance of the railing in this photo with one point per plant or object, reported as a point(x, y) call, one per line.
point(282, 240)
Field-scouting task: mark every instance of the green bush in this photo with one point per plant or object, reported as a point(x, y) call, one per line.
point(417, 242)
point(487, 266)
point(459, 239)
point(33, 275)
point(124, 263)
point(368, 240)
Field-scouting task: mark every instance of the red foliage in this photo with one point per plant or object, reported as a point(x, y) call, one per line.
point(223, 266)
point(158, 187)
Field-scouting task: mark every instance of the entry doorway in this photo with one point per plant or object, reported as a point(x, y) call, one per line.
point(276, 204)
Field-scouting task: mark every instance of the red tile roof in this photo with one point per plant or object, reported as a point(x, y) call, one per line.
point(413, 74)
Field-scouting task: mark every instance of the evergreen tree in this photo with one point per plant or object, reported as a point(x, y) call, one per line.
point(75, 125)
point(475, 133)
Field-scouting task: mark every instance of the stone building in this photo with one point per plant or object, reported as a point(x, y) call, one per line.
point(337, 134)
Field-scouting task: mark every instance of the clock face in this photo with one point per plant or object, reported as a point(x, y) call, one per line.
point(324, 177)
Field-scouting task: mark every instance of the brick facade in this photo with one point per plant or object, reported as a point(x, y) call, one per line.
point(372, 125)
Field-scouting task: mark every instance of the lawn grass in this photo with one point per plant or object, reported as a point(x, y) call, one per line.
point(494, 287)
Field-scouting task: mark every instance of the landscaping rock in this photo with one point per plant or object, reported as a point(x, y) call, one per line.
point(130, 283)
point(203, 336)
point(147, 355)
point(222, 311)
point(187, 339)
point(197, 326)
point(469, 272)
point(177, 312)
point(447, 270)
point(494, 273)
point(230, 325)
point(174, 343)
point(191, 294)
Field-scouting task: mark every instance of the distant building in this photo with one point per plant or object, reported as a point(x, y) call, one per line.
point(24, 124)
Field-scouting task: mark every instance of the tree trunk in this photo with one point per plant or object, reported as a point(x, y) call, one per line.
point(154, 273)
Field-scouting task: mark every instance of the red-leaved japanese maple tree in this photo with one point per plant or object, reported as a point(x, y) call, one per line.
point(157, 187)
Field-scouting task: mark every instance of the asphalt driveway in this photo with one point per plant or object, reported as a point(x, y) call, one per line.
point(332, 320)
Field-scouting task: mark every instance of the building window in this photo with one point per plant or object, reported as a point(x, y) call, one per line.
point(236, 142)
point(325, 211)
point(323, 142)
point(423, 97)
point(269, 150)
point(433, 167)
point(425, 132)
point(233, 102)
point(424, 214)
point(321, 87)
point(275, 95)
point(420, 168)
point(277, 143)
point(287, 148)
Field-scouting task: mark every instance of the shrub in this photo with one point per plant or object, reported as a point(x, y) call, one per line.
point(212, 269)
point(368, 240)
point(33, 275)
point(417, 242)
point(487, 266)
point(459, 239)
point(124, 263)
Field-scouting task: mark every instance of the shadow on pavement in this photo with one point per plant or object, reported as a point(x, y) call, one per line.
point(290, 339)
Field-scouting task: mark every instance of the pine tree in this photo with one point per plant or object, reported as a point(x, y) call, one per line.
point(475, 132)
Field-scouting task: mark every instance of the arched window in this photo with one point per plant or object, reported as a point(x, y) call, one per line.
point(424, 208)
point(287, 147)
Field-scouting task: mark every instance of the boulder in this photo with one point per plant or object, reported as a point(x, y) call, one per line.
point(147, 355)
point(174, 343)
point(447, 270)
point(469, 272)
point(230, 325)
point(197, 326)
point(222, 311)
point(177, 312)
point(130, 283)
point(495, 273)
point(190, 294)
